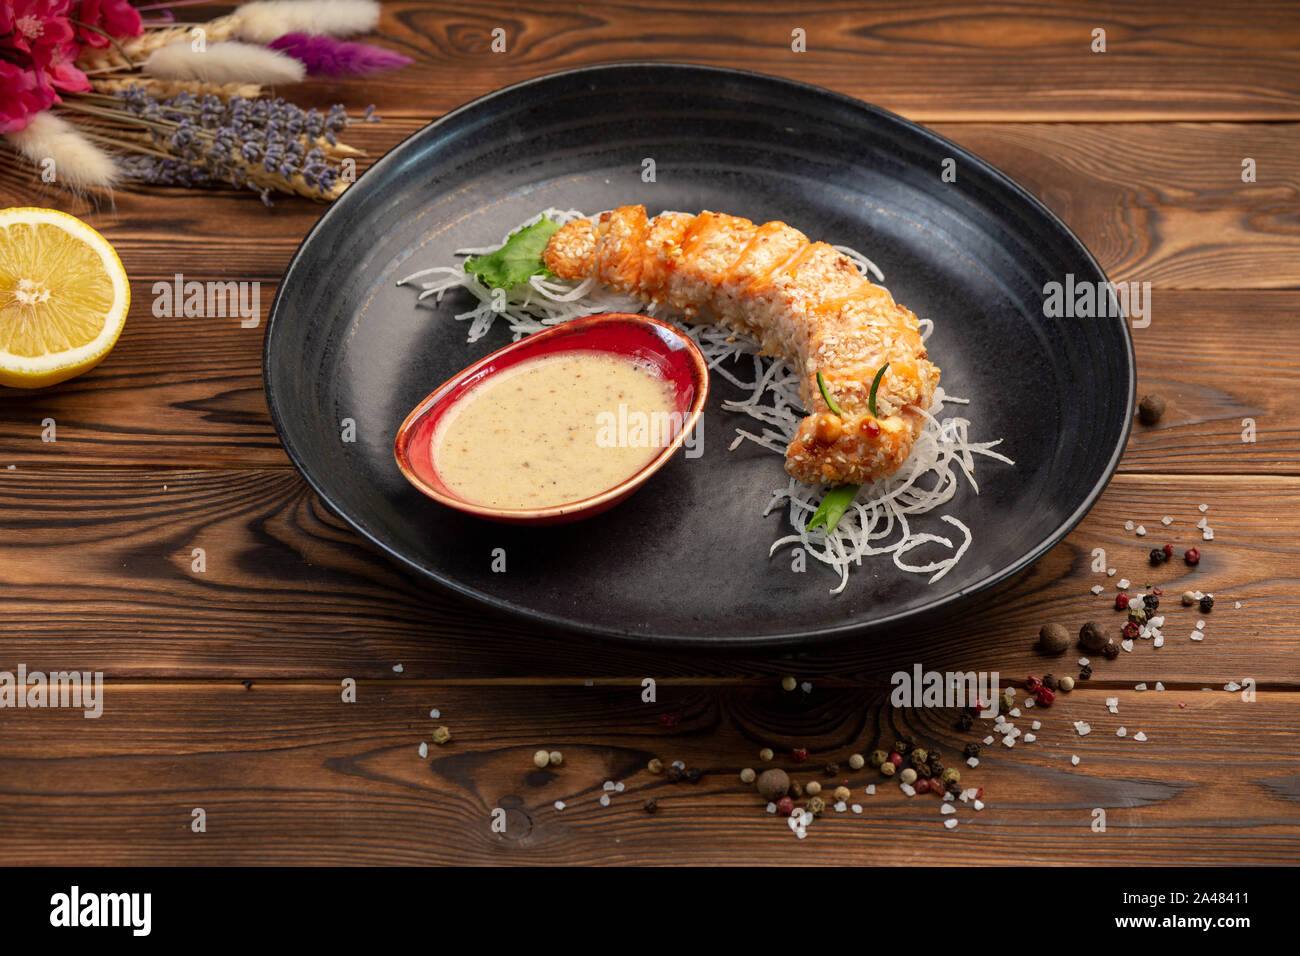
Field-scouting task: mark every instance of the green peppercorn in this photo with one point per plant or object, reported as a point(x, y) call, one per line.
point(951, 775)
point(1151, 408)
point(1092, 637)
point(747, 775)
point(813, 788)
point(887, 768)
point(877, 758)
point(919, 757)
point(1137, 616)
point(908, 776)
point(856, 762)
point(441, 735)
point(815, 806)
point(1053, 639)
point(773, 784)
point(655, 765)
point(903, 746)
point(831, 770)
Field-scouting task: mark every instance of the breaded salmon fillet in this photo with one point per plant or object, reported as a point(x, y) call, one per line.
point(803, 300)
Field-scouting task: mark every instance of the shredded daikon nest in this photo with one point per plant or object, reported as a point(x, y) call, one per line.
point(880, 519)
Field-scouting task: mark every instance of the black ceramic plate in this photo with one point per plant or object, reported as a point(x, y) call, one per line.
point(686, 558)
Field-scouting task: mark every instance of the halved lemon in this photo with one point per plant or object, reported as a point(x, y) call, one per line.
point(63, 297)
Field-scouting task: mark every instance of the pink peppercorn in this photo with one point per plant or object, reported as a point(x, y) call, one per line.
point(1131, 630)
point(979, 792)
point(785, 806)
point(1032, 684)
point(800, 754)
point(923, 785)
point(1157, 591)
point(896, 759)
point(668, 721)
point(1121, 601)
point(1169, 550)
point(1191, 556)
point(1044, 697)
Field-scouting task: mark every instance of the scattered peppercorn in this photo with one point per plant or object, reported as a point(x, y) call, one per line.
point(747, 775)
point(796, 789)
point(789, 683)
point(935, 768)
point(954, 787)
point(1189, 598)
point(831, 770)
point(800, 754)
point(1067, 683)
point(1032, 683)
point(888, 769)
point(557, 758)
point(965, 722)
point(668, 721)
point(1151, 603)
point(1157, 556)
point(919, 757)
point(1168, 549)
point(877, 758)
point(1191, 555)
point(935, 754)
point(693, 774)
point(971, 750)
point(1092, 637)
point(896, 759)
point(1110, 651)
point(815, 806)
point(1044, 697)
point(1050, 682)
point(674, 774)
point(773, 784)
point(1085, 672)
point(842, 794)
point(908, 776)
point(813, 788)
point(441, 735)
point(1053, 639)
point(1137, 616)
point(542, 758)
point(923, 785)
point(1151, 408)
point(1131, 630)
point(785, 806)
point(655, 765)
point(651, 806)
point(766, 754)
point(856, 762)
point(1121, 601)
point(903, 746)
point(937, 786)
point(1207, 604)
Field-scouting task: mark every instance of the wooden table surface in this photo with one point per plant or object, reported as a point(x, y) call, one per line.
point(223, 687)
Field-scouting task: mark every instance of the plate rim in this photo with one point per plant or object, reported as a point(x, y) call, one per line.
point(821, 635)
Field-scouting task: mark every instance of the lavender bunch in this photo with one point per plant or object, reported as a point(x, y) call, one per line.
point(265, 145)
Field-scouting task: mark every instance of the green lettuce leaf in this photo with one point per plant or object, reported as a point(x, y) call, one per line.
point(516, 261)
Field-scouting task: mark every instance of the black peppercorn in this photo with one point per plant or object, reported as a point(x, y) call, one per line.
point(965, 722)
point(936, 768)
point(1207, 603)
point(674, 773)
point(1085, 672)
point(831, 769)
point(972, 750)
point(693, 774)
point(1157, 556)
point(1150, 602)
point(1150, 409)
point(650, 806)
point(954, 787)
point(904, 746)
point(1050, 682)
point(933, 754)
point(1110, 651)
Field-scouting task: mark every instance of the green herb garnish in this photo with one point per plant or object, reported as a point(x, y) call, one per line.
point(834, 504)
point(826, 394)
point(518, 260)
point(875, 384)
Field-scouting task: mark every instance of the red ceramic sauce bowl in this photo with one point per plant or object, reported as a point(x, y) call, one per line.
point(664, 347)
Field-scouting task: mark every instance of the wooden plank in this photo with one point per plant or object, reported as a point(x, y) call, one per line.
point(188, 392)
point(1157, 203)
point(96, 572)
point(940, 61)
point(291, 775)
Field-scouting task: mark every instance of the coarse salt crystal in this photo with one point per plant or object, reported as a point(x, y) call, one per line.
point(1009, 691)
point(1084, 662)
point(871, 789)
point(1232, 686)
point(559, 805)
point(397, 668)
point(1112, 703)
point(1110, 572)
point(1127, 645)
point(1097, 589)
point(1202, 523)
point(841, 806)
point(619, 786)
point(908, 789)
point(1122, 732)
point(1123, 584)
point(1198, 636)
point(950, 823)
point(1159, 641)
point(856, 808)
point(604, 799)
point(948, 798)
point(1128, 525)
point(1158, 621)
point(1015, 711)
point(1208, 535)
point(1166, 521)
point(1030, 738)
point(1202, 507)
point(972, 761)
point(435, 713)
point(608, 785)
point(806, 687)
point(1139, 736)
point(680, 765)
point(1029, 702)
point(948, 808)
point(1009, 741)
point(1237, 605)
point(1159, 686)
point(1139, 686)
point(978, 804)
point(1141, 531)
point(988, 740)
point(1200, 625)
point(1082, 727)
point(771, 808)
point(424, 749)
point(1036, 725)
point(1074, 760)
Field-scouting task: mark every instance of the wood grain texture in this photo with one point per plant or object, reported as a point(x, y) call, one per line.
point(290, 774)
point(97, 574)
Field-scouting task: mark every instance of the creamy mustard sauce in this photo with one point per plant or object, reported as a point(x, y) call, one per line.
point(554, 429)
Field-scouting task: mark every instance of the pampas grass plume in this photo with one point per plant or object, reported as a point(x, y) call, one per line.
point(78, 163)
point(220, 63)
point(267, 20)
